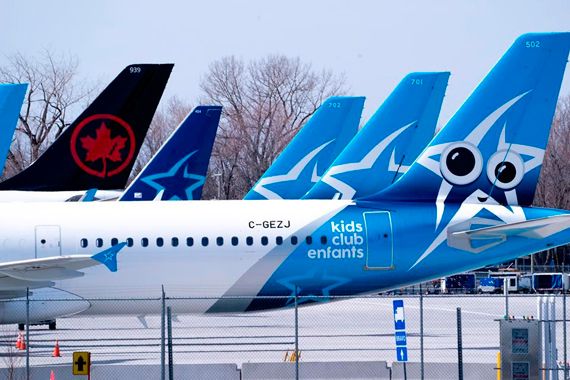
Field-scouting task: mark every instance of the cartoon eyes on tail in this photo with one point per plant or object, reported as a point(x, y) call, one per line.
point(505, 169)
point(461, 163)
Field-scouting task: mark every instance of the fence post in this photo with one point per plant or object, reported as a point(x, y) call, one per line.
point(28, 333)
point(564, 333)
point(506, 293)
point(459, 347)
point(162, 340)
point(421, 333)
point(296, 335)
point(170, 361)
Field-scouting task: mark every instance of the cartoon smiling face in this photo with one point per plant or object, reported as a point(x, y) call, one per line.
point(483, 174)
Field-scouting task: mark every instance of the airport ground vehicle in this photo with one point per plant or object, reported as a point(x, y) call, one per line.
point(490, 285)
point(459, 283)
point(543, 282)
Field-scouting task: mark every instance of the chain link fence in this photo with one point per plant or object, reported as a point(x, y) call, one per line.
point(448, 337)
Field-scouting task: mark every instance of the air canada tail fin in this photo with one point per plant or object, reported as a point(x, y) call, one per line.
point(178, 169)
point(11, 99)
point(492, 149)
point(311, 151)
point(389, 142)
point(99, 148)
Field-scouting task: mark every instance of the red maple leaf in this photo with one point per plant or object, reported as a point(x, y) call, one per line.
point(103, 146)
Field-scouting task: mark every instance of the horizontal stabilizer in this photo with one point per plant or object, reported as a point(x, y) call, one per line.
point(480, 239)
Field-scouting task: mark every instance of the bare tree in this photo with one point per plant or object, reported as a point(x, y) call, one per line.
point(165, 120)
point(265, 102)
point(52, 93)
point(554, 185)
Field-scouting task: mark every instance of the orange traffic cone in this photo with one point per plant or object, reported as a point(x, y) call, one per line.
point(19, 341)
point(56, 353)
point(51, 375)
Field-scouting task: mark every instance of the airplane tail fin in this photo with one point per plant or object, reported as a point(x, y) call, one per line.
point(311, 151)
point(99, 148)
point(493, 147)
point(389, 142)
point(11, 99)
point(179, 168)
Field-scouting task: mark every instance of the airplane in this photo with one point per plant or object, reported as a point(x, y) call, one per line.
point(463, 204)
point(388, 143)
point(311, 151)
point(178, 170)
point(99, 149)
point(11, 99)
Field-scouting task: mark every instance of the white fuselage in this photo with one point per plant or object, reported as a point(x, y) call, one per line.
point(54, 196)
point(186, 268)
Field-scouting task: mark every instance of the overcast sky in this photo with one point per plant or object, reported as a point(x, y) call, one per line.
point(375, 43)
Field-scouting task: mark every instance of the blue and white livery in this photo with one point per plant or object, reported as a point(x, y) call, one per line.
point(389, 142)
point(462, 205)
point(311, 151)
point(178, 170)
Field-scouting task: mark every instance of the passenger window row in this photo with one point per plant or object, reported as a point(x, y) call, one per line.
point(204, 241)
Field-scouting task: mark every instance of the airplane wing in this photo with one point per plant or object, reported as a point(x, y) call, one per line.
point(480, 239)
point(42, 272)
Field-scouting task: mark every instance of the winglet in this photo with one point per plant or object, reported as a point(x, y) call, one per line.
point(108, 257)
point(89, 196)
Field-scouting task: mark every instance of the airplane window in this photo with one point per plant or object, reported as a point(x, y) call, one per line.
point(144, 242)
point(249, 240)
point(235, 241)
point(114, 241)
point(279, 240)
point(204, 241)
point(159, 242)
point(84, 243)
point(220, 240)
point(174, 242)
point(99, 242)
point(189, 241)
point(323, 240)
point(294, 240)
point(130, 242)
point(264, 240)
point(309, 240)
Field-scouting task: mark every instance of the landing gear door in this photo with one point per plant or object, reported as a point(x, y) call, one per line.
point(48, 241)
point(379, 246)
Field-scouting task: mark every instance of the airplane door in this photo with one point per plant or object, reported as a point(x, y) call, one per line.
point(379, 247)
point(48, 241)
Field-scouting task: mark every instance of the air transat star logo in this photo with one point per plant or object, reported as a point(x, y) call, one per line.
point(103, 145)
point(292, 175)
point(478, 200)
point(344, 189)
point(176, 183)
point(307, 293)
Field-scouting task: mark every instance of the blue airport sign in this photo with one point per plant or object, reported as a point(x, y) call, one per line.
point(402, 354)
point(401, 339)
point(399, 317)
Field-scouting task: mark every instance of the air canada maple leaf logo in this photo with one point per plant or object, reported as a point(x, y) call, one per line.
point(103, 145)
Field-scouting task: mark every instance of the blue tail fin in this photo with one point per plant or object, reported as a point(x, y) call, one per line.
point(388, 143)
point(492, 149)
point(179, 168)
point(11, 98)
point(311, 151)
